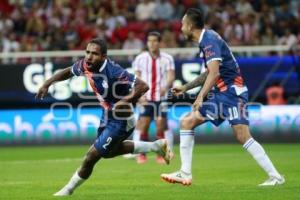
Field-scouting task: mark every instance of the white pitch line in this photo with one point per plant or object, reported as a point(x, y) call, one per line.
point(43, 161)
point(14, 183)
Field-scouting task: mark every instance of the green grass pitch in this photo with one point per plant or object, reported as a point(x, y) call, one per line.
point(219, 172)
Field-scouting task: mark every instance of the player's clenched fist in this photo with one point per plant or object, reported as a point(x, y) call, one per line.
point(178, 90)
point(42, 92)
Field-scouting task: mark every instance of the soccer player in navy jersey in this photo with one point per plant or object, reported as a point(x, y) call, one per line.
point(223, 96)
point(115, 89)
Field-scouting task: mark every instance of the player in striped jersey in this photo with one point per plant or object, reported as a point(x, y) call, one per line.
point(157, 69)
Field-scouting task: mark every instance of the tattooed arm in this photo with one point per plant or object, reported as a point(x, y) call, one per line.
point(199, 81)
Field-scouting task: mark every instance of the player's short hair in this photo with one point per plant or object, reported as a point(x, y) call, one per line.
point(101, 43)
point(196, 16)
point(154, 33)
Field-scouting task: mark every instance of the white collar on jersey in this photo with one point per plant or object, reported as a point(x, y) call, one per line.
point(103, 65)
point(201, 35)
point(157, 55)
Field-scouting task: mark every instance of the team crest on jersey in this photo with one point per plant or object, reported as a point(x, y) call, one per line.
point(162, 62)
point(104, 84)
point(201, 54)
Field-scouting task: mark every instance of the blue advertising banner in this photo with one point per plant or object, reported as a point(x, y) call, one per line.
point(67, 125)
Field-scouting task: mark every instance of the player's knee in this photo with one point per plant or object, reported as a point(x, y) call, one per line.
point(241, 133)
point(107, 154)
point(186, 122)
point(91, 158)
point(113, 152)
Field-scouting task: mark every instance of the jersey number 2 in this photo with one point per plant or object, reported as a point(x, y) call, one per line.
point(108, 141)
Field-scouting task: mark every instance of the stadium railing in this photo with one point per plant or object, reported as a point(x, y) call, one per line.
point(242, 50)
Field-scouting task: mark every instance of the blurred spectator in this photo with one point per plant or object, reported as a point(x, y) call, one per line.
point(145, 10)
point(233, 32)
point(120, 32)
point(283, 12)
point(268, 37)
point(6, 24)
point(294, 7)
point(226, 13)
point(71, 33)
point(178, 8)
point(164, 10)
point(128, 10)
point(19, 20)
point(168, 39)
point(10, 44)
point(243, 7)
point(288, 39)
point(133, 42)
point(36, 24)
point(115, 19)
point(250, 28)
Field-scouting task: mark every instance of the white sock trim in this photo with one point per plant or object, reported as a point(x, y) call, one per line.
point(248, 143)
point(186, 132)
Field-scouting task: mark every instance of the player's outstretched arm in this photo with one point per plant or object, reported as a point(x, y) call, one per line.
point(59, 76)
point(199, 81)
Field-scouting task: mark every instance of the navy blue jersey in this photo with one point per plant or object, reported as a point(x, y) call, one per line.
point(109, 84)
point(213, 47)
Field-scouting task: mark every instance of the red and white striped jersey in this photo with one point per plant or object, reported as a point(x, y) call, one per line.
point(154, 72)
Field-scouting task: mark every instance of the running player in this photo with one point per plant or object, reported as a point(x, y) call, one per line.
point(115, 89)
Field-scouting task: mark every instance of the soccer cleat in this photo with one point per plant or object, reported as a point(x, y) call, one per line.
point(172, 155)
point(141, 159)
point(178, 177)
point(272, 181)
point(63, 192)
point(163, 150)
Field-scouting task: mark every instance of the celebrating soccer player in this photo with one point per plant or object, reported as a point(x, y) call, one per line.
point(223, 97)
point(115, 89)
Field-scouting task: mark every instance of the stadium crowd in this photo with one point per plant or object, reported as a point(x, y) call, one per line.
point(28, 25)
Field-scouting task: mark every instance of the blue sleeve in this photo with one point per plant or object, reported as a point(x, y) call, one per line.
point(77, 68)
point(124, 77)
point(212, 50)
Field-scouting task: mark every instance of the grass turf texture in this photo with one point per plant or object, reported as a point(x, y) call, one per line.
point(219, 172)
